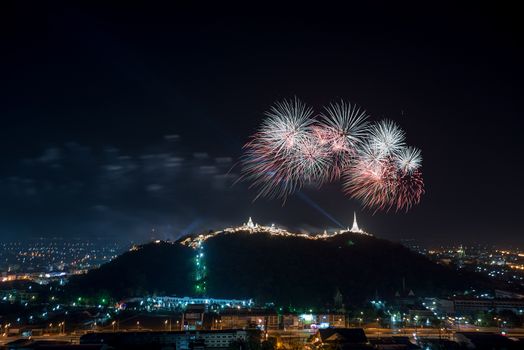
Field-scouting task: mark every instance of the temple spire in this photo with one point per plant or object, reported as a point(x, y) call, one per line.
point(355, 228)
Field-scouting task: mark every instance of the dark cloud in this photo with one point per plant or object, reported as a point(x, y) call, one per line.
point(50, 155)
point(108, 188)
point(172, 137)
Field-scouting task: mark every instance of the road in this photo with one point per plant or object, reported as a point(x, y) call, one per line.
point(302, 335)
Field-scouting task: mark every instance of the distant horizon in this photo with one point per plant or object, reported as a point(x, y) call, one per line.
point(424, 243)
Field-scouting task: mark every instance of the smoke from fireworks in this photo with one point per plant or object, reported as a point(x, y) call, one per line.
point(292, 148)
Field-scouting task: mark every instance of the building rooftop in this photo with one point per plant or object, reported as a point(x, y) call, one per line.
point(343, 335)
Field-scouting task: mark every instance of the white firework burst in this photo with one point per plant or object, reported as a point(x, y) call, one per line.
point(288, 123)
point(345, 126)
point(312, 160)
point(386, 137)
point(409, 159)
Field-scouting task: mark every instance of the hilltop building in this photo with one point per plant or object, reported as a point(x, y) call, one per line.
point(251, 227)
point(355, 228)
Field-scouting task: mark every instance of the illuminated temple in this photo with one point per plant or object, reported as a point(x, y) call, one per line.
point(253, 228)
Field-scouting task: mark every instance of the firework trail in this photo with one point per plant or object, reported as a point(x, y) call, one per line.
point(292, 149)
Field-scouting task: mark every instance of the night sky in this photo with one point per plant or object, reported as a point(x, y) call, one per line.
point(119, 120)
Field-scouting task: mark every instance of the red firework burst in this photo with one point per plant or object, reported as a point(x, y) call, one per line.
point(382, 186)
point(410, 188)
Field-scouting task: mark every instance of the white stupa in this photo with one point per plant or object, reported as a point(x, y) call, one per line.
point(355, 228)
point(250, 223)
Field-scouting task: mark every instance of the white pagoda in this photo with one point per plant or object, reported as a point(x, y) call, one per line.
point(355, 228)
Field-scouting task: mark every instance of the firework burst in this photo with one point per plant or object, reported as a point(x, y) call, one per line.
point(372, 181)
point(409, 159)
point(409, 190)
point(312, 160)
point(386, 182)
point(386, 137)
point(287, 124)
point(269, 174)
point(292, 149)
point(342, 127)
point(271, 158)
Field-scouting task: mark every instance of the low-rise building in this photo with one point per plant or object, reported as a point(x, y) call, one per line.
point(180, 340)
point(244, 319)
point(465, 306)
point(483, 340)
point(340, 338)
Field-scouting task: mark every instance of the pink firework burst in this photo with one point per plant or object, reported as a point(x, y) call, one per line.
point(385, 182)
point(278, 159)
point(268, 171)
point(373, 182)
point(343, 127)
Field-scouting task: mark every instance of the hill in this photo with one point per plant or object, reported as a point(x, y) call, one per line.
point(285, 270)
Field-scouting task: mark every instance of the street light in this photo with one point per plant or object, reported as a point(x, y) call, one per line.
point(6, 332)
